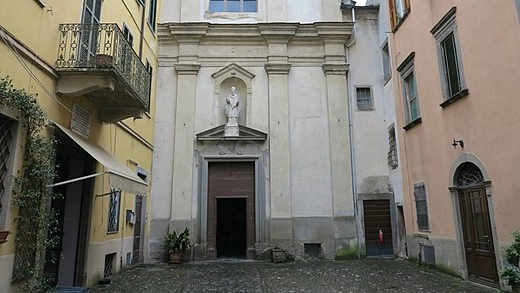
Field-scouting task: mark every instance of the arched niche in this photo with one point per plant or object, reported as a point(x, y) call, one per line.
point(224, 79)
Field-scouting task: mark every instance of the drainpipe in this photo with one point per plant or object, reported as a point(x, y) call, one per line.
point(351, 135)
point(141, 39)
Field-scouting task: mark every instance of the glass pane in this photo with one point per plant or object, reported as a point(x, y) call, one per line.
point(451, 64)
point(233, 5)
point(250, 6)
point(97, 10)
point(216, 6)
point(414, 110)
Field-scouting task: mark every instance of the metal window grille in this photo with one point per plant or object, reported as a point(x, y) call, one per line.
point(421, 206)
point(469, 175)
point(109, 264)
point(233, 6)
point(113, 210)
point(364, 98)
point(5, 142)
point(392, 152)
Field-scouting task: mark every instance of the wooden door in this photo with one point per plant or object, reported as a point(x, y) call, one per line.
point(231, 199)
point(378, 228)
point(478, 240)
point(137, 229)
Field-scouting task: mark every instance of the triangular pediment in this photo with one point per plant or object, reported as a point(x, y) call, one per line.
point(245, 133)
point(233, 70)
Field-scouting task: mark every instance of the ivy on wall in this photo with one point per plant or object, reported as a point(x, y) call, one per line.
point(35, 222)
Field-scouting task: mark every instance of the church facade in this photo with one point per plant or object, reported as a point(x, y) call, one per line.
point(254, 146)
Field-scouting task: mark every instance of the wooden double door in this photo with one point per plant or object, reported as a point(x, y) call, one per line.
point(231, 209)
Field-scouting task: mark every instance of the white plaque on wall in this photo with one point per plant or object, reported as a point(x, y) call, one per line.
point(80, 121)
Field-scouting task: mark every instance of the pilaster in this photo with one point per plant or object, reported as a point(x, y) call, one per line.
point(184, 141)
point(339, 140)
point(279, 148)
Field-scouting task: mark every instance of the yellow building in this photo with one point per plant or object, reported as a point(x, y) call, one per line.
point(90, 64)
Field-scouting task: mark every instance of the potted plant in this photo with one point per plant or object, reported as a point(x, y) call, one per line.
point(176, 244)
point(511, 274)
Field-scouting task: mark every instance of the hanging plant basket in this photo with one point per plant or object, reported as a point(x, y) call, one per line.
point(3, 236)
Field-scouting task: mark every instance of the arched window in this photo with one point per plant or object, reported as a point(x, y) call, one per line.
point(468, 174)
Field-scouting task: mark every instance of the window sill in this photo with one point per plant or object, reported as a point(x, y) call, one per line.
point(422, 234)
point(412, 124)
point(386, 80)
point(461, 94)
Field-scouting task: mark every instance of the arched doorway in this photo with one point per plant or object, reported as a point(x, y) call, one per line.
point(479, 248)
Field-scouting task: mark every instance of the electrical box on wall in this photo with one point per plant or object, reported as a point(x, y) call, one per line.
point(130, 217)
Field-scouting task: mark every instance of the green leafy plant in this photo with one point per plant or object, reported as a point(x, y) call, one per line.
point(31, 194)
point(177, 242)
point(512, 272)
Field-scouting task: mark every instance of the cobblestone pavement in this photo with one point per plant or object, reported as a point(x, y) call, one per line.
point(301, 276)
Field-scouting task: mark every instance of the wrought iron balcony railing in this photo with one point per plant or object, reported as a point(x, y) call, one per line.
point(102, 47)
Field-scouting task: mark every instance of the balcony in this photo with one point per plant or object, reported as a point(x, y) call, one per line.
point(96, 61)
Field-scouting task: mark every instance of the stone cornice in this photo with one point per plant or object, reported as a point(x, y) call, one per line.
point(335, 69)
point(333, 31)
point(273, 68)
point(187, 69)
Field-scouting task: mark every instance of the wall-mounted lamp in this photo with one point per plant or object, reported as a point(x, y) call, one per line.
point(457, 142)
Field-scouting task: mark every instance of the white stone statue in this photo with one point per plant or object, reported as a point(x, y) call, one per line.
point(232, 110)
point(232, 104)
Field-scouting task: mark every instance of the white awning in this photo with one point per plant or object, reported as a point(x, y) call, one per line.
point(119, 176)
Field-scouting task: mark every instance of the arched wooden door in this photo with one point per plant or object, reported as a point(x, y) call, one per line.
point(476, 225)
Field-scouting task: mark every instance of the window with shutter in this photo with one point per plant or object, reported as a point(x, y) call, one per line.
point(421, 206)
point(450, 61)
point(398, 9)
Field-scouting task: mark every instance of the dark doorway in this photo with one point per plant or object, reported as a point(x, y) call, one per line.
point(378, 228)
point(66, 260)
point(137, 229)
point(476, 225)
point(231, 227)
point(231, 210)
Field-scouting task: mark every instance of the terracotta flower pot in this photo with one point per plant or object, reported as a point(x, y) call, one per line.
point(175, 257)
point(3, 236)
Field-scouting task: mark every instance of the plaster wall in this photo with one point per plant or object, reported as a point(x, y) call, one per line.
point(289, 100)
point(96, 258)
point(304, 11)
point(31, 66)
point(476, 119)
point(6, 266)
point(484, 117)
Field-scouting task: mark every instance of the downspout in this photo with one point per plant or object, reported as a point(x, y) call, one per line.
point(351, 135)
point(141, 39)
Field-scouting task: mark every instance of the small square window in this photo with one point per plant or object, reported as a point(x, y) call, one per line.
point(364, 98)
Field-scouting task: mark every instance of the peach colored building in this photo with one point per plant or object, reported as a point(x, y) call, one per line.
point(456, 73)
